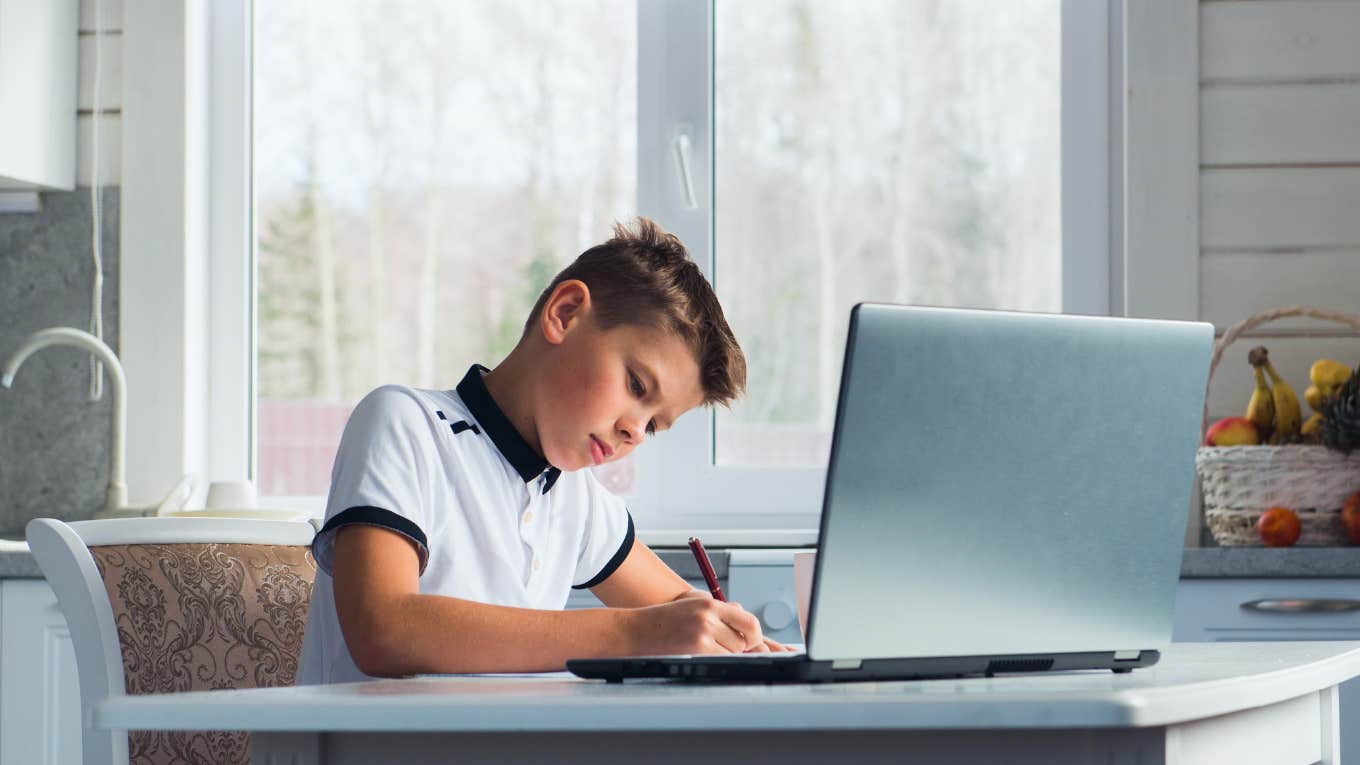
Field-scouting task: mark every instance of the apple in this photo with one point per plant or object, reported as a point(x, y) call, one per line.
point(1279, 527)
point(1232, 431)
point(1350, 517)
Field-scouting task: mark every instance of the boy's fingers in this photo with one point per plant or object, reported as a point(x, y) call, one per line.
point(746, 625)
point(729, 639)
point(692, 594)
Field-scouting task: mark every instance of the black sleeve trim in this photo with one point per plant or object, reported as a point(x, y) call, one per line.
point(614, 562)
point(323, 544)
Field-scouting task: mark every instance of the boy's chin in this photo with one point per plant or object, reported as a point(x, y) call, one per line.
point(569, 463)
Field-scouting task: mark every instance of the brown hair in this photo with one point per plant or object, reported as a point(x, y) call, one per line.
point(644, 276)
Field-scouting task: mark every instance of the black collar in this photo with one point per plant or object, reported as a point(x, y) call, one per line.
point(527, 462)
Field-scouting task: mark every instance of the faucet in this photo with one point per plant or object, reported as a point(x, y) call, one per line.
point(115, 497)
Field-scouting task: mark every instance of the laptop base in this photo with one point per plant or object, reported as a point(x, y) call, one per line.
point(798, 668)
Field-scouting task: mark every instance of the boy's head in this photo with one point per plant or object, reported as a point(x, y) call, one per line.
point(626, 339)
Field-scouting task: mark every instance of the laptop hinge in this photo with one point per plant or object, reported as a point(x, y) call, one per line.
point(1127, 655)
point(846, 663)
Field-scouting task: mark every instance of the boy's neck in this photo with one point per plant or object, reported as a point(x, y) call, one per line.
point(509, 385)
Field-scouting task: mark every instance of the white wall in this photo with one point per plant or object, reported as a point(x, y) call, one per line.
point(1279, 180)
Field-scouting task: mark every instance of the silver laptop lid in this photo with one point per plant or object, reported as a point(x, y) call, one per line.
point(1006, 483)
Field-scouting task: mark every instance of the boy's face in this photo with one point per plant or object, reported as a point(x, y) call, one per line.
point(602, 393)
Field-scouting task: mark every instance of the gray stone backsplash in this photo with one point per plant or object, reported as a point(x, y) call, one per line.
point(54, 441)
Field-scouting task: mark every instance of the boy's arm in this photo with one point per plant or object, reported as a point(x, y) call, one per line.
point(641, 580)
point(391, 629)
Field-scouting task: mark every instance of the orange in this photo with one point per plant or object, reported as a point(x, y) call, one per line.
point(1279, 527)
point(1350, 517)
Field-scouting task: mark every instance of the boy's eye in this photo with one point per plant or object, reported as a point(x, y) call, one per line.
point(651, 428)
point(636, 385)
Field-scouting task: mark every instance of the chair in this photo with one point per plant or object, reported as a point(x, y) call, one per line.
point(164, 605)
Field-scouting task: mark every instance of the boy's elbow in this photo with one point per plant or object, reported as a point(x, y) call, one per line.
point(376, 656)
point(372, 646)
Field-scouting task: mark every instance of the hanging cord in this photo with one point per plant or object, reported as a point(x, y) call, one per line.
point(97, 298)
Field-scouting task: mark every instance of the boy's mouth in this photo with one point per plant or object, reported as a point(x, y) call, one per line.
point(599, 450)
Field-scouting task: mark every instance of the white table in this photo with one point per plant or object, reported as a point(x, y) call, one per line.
point(1203, 703)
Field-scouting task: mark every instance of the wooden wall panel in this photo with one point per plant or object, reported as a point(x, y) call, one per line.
point(1234, 286)
point(110, 78)
point(1280, 208)
point(110, 15)
point(110, 150)
point(1279, 40)
point(1280, 124)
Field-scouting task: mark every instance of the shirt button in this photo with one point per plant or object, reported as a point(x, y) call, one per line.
point(537, 564)
point(528, 516)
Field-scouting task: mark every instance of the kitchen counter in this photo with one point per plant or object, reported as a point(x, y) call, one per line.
point(1196, 562)
point(1270, 563)
point(16, 562)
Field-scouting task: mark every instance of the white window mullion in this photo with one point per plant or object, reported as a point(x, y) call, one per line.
point(162, 270)
point(1086, 211)
point(230, 243)
point(679, 485)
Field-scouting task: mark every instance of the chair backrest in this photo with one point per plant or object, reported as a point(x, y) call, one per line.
point(161, 605)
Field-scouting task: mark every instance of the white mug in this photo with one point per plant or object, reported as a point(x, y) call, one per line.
point(237, 495)
point(804, 563)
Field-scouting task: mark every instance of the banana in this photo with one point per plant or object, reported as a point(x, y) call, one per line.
point(1326, 373)
point(1314, 395)
point(1286, 403)
point(1312, 425)
point(1261, 408)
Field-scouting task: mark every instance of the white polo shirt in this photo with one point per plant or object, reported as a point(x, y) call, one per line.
point(492, 520)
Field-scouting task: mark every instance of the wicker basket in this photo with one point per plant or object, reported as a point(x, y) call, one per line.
point(1239, 483)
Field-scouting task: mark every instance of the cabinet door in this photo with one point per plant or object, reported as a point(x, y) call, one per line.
point(762, 581)
point(39, 689)
point(1211, 610)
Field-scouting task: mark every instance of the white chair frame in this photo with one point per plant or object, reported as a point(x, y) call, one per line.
point(62, 552)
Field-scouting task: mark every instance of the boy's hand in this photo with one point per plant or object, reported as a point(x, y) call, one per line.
point(766, 644)
point(693, 623)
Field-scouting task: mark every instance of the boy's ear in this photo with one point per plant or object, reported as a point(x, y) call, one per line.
point(564, 309)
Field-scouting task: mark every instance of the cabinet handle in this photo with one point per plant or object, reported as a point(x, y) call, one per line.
point(1303, 605)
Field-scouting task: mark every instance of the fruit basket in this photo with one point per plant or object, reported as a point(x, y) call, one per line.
point(1239, 483)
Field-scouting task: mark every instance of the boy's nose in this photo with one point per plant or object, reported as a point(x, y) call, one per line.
point(631, 432)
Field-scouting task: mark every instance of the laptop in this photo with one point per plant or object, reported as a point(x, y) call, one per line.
point(1006, 492)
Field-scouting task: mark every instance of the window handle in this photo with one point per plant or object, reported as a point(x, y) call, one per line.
point(680, 147)
point(1303, 605)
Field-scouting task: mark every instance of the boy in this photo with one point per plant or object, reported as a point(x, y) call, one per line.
point(457, 521)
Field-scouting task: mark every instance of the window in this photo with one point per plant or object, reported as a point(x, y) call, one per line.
point(422, 168)
point(902, 152)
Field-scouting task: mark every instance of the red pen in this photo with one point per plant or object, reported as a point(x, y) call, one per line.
point(706, 568)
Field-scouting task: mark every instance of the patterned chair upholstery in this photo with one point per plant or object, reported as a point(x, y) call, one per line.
point(205, 616)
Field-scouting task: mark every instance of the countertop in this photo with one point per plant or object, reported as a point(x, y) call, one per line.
point(1192, 681)
point(1196, 562)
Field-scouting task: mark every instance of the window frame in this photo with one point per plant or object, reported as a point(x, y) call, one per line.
point(678, 486)
point(682, 486)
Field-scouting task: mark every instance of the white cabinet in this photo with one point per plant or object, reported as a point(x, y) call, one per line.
point(1238, 610)
point(39, 690)
point(38, 84)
